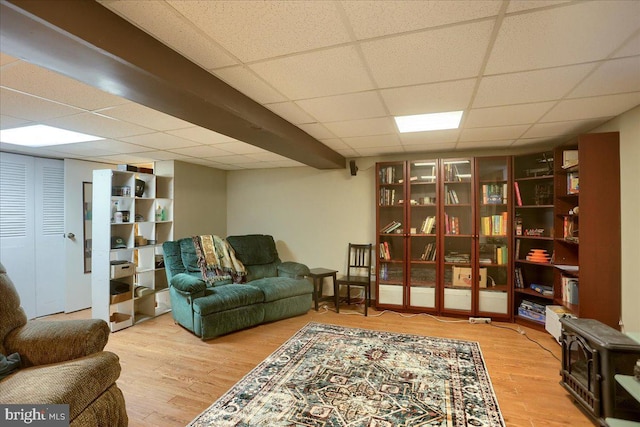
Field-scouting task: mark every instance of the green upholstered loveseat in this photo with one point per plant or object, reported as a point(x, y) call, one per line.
point(274, 289)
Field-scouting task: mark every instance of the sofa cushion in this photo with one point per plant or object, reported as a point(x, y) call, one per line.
point(254, 249)
point(276, 288)
point(11, 314)
point(227, 297)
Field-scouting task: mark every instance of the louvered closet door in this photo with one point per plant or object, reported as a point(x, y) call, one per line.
point(49, 236)
point(17, 231)
point(32, 230)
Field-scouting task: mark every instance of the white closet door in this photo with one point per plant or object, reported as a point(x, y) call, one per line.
point(32, 230)
point(49, 237)
point(17, 231)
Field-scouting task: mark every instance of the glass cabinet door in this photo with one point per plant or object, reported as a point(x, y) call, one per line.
point(423, 214)
point(391, 232)
point(457, 234)
point(493, 235)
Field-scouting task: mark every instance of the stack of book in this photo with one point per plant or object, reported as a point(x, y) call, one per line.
point(391, 227)
point(428, 225)
point(429, 253)
point(532, 311)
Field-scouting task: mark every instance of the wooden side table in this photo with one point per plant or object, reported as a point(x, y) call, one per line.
point(318, 275)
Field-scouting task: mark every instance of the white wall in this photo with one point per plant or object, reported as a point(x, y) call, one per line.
point(200, 199)
point(312, 214)
point(628, 125)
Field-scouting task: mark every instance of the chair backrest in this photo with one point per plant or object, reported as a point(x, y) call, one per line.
point(359, 260)
point(11, 314)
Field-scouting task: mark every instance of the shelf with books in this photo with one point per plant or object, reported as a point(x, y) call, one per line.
point(534, 233)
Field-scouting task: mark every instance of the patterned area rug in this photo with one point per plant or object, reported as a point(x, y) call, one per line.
point(332, 376)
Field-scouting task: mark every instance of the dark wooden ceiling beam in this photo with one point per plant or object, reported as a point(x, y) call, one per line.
point(87, 42)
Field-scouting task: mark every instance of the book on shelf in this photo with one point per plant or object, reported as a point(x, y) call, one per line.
point(429, 253)
point(573, 183)
point(542, 289)
point(517, 190)
point(392, 226)
point(428, 225)
point(493, 194)
point(517, 251)
point(518, 278)
point(385, 254)
point(570, 290)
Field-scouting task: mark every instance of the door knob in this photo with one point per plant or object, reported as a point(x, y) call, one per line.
point(71, 236)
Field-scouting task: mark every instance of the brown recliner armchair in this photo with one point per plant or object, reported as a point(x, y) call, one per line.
point(62, 362)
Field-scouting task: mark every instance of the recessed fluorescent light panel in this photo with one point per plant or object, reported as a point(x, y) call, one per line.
point(42, 136)
point(425, 122)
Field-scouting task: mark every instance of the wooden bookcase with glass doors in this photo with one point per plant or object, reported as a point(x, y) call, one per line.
point(443, 239)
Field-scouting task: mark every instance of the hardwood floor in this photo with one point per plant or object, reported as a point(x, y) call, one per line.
point(169, 375)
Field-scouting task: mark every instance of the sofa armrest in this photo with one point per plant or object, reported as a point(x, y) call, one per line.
point(41, 342)
point(295, 270)
point(187, 283)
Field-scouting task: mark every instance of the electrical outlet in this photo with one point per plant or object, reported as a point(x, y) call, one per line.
point(479, 320)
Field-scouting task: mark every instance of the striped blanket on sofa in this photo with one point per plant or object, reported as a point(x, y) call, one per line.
point(217, 260)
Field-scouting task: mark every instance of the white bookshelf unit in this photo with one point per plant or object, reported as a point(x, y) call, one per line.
point(128, 228)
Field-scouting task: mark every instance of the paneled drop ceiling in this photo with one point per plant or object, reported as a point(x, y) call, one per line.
point(524, 73)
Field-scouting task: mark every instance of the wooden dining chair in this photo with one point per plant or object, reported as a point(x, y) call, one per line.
point(358, 274)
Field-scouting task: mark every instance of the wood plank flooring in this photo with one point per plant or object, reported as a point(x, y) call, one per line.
point(169, 375)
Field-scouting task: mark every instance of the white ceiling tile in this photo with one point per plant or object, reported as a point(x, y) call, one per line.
point(429, 98)
point(493, 133)
point(98, 125)
point(363, 127)
point(352, 106)
point(347, 152)
point(144, 116)
point(379, 18)
point(7, 122)
point(163, 155)
point(240, 27)
point(201, 135)
point(316, 130)
point(166, 24)
point(580, 32)
point(244, 80)
point(160, 141)
point(594, 107)
point(529, 142)
point(38, 81)
point(238, 147)
point(114, 146)
point(129, 159)
point(377, 151)
point(92, 148)
point(430, 147)
point(319, 73)
point(373, 141)
point(335, 144)
point(34, 151)
point(521, 5)
point(529, 86)
point(266, 157)
point(472, 145)
point(290, 112)
point(506, 115)
point(26, 107)
point(614, 76)
point(630, 48)
point(205, 151)
point(231, 159)
point(563, 129)
point(430, 56)
point(427, 138)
